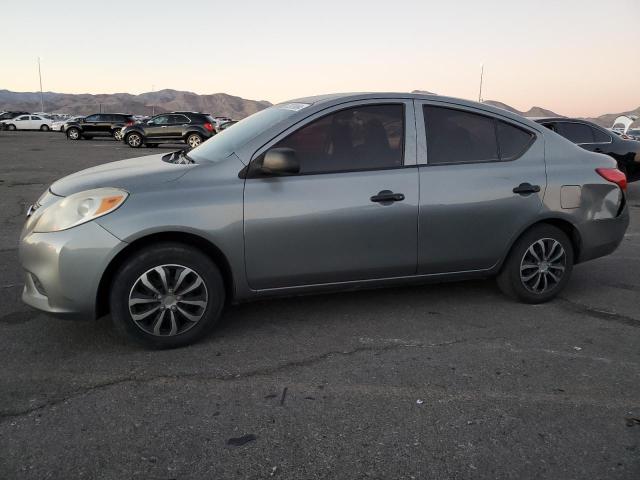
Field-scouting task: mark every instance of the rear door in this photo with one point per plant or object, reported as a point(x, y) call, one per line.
point(331, 222)
point(482, 180)
point(177, 123)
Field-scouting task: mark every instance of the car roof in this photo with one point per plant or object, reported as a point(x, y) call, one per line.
point(336, 98)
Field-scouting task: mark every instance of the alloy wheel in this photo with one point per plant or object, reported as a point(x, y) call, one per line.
point(73, 134)
point(134, 140)
point(543, 265)
point(168, 300)
point(117, 135)
point(194, 140)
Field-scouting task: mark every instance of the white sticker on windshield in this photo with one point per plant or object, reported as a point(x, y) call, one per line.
point(296, 107)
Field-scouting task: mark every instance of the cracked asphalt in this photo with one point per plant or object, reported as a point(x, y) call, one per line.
point(449, 381)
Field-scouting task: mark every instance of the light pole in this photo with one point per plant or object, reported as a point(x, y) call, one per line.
point(481, 75)
point(41, 95)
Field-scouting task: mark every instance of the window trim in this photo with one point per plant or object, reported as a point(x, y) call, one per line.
point(251, 172)
point(422, 132)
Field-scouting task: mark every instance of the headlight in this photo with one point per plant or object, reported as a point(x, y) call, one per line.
point(79, 208)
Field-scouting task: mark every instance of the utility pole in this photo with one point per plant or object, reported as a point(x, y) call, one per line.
point(481, 75)
point(41, 95)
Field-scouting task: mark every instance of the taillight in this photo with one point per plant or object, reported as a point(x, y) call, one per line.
point(613, 175)
point(129, 123)
point(208, 126)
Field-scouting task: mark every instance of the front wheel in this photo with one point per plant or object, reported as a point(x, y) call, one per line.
point(538, 266)
point(11, 127)
point(73, 134)
point(134, 140)
point(167, 295)
point(193, 140)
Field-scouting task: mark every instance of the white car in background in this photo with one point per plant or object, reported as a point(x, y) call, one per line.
point(27, 122)
point(58, 125)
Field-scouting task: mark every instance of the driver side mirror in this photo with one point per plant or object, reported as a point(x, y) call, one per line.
point(280, 161)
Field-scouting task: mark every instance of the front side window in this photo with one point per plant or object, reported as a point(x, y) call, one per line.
point(576, 132)
point(161, 120)
point(360, 138)
point(458, 136)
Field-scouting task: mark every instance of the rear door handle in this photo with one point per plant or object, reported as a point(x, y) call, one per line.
point(526, 188)
point(387, 196)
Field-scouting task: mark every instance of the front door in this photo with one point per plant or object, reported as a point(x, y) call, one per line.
point(157, 127)
point(351, 212)
point(482, 180)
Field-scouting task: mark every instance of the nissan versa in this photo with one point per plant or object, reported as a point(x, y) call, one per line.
point(322, 193)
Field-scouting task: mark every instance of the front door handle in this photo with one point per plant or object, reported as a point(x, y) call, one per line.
point(387, 196)
point(526, 188)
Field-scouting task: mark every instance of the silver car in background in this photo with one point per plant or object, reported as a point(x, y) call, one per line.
point(317, 194)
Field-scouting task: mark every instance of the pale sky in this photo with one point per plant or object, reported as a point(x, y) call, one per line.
point(560, 54)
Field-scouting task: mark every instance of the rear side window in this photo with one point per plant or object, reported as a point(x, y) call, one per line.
point(457, 136)
point(599, 136)
point(576, 132)
point(513, 141)
point(361, 138)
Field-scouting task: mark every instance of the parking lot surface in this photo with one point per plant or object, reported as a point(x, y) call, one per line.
point(438, 381)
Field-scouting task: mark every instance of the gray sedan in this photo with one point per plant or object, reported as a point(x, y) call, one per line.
point(323, 193)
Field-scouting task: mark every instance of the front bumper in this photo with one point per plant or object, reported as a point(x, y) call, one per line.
point(63, 269)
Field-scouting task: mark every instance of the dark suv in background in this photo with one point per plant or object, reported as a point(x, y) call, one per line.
point(98, 125)
point(11, 115)
point(594, 138)
point(193, 128)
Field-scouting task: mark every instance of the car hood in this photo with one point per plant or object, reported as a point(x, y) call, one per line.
point(131, 175)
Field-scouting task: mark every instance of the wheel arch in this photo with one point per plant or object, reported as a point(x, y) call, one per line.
point(205, 246)
point(568, 227)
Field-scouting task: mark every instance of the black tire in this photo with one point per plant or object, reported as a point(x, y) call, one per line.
point(44, 128)
point(11, 127)
point(73, 133)
point(193, 140)
point(117, 134)
point(134, 139)
point(172, 254)
point(518, 285)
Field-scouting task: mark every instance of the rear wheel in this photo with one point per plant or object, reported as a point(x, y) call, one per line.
point(117, 134)
point(168, 295)
point(44, 128)
point(539, 265)
point(193, 140)
point(134, 140)
point(73, 133)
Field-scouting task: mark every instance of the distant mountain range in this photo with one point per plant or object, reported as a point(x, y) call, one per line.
point(215, 104)
point(143, 104)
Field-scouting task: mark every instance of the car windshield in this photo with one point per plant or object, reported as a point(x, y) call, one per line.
point(227, 141)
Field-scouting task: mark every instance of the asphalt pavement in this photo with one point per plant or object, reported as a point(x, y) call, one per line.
point(451, 381)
